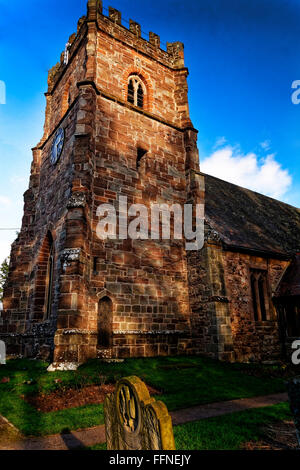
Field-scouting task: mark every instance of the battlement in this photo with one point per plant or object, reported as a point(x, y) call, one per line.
point(172, 57)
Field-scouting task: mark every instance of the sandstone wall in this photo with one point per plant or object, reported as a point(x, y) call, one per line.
point(146, 280)
point(252, 340)
point(210, 314)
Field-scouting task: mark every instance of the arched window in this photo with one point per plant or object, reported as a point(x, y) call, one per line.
point(259, 290)
point(49, 281)
point(69, 99)
point(140, 96)
point(253, 292)
point(141, 153)
point(105, 316)
point(44, 280)
point(136, 91)
point(130, 96)
point(66, 99)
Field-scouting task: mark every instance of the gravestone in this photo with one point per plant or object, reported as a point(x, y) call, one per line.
point(293, 387)
point(135, 421)
point(2, 353)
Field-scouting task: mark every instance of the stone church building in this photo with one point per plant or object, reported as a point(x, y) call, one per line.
point(117, 123)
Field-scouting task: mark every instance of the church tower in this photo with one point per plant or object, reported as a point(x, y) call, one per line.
point(117, 124)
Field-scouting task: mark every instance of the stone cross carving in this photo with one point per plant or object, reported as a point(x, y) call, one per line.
point(2, 353)
point(135, 421)
point(293, 387)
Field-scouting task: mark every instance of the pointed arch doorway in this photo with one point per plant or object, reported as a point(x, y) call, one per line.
point(44, 281)
point(105, 318)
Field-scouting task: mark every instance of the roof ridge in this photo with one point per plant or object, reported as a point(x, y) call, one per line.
point(249, 190)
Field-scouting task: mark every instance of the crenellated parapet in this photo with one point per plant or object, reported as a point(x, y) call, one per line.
point(173, 56)
point(115, 15)
point(111, 24)
point(176, 51)
point(94, 9)
point(55, 72)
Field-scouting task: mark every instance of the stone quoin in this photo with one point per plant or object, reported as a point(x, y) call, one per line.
point(117, 124)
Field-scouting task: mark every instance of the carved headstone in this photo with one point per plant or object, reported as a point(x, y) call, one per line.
point(293, 387)
point(135, 421)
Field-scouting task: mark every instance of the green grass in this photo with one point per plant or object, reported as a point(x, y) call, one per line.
point(189, 381)
point(184, 382)
point(227, 432)
point(97, 447)
point(25, 417)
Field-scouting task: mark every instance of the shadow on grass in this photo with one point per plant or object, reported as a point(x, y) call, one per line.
point(184, 382)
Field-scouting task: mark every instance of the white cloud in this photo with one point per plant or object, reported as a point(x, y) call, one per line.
point(18, 181)
point(266, 145)
point(5, 202)
point(11, 211)
point(262, 174)
point(11, 217)
point(220, 142)
point(5, 245)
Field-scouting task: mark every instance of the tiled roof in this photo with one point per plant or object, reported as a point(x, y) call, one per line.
point(290, 283)
point(250, 221)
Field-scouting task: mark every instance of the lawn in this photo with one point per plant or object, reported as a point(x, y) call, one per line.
point(229, 432)
point(183, 382)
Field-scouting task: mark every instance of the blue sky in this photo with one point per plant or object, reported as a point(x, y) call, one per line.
point(243, 56)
